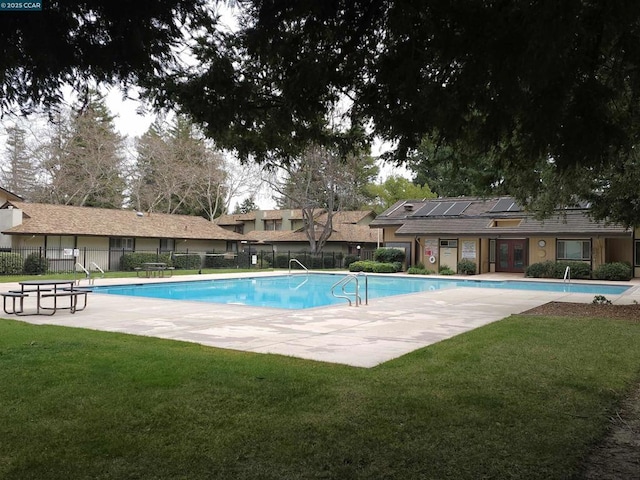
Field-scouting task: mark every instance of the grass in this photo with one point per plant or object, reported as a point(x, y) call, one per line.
point(523, 398)
point(116, 274)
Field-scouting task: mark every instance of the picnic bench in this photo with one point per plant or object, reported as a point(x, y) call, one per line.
point(154, 269)
point(55, 290)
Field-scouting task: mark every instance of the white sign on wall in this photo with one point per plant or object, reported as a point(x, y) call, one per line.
point(469, 249)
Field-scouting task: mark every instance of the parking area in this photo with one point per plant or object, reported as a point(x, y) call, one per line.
point(362, 336)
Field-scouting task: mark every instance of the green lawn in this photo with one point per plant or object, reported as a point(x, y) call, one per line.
point(521, 398)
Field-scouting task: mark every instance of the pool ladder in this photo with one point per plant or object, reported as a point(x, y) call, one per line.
point(352, 278)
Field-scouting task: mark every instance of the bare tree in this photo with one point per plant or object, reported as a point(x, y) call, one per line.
point(177, 171)
point(320, 181)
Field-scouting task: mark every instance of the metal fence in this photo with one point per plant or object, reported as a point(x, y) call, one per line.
point(64, 260)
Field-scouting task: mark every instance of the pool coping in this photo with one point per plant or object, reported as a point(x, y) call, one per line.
point(363, 336)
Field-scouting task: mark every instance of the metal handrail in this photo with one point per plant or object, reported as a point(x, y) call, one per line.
point(567, 274)
point(344, 281)
point(298, 262)
point(86, 272)
point(95, 265)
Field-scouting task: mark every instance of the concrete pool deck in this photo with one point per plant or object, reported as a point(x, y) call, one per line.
point(363, 336)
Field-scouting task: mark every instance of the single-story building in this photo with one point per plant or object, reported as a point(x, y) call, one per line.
point(65, 233)
point(500, 236)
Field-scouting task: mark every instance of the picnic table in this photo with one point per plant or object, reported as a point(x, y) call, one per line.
point(154, 269)
point(50, 297)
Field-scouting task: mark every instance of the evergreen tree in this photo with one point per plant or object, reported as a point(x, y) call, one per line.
point(18, 171)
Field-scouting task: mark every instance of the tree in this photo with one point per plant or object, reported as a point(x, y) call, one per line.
point(318, 182)
point(247, 205)
point(18, 171)
point(451, 172)
point(83, 159)
point(520, 84)
point(79, 43)
point(177, 171)
point(397, 188)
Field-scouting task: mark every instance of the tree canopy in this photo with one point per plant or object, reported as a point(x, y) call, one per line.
point(547, 92)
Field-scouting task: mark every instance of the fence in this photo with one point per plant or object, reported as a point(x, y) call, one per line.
point(61, 260)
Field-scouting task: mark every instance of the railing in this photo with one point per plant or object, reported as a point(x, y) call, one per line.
point(87, 274)
point(567, 274)
point(343, 282)
point(298, 262)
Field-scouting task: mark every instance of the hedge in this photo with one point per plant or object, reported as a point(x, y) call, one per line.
point(34, 264)
point(10, 263)
point(549, 269)
point(613, 271)
point(131, 261)
point(388, 255)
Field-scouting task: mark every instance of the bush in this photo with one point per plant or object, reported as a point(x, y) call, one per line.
point(385, 267)
point(187, 262)
point(467, 266)
point(579, 270)
point(131, 261)
point(549, 269)
point(388, 255)
point(34, 264)
point(362, 266)
point(613, 271)
point(446, 270)
point(419, 271)
point(541, 270)
point(349, 259)
point(10, 264)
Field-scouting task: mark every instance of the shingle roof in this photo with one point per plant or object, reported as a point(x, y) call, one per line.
point(341, 233)
point(479, 219)
point(45, 219)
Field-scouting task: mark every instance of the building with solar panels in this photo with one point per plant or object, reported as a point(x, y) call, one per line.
point(500, 236)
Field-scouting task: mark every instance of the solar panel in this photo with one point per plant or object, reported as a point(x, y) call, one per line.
point(441, 209)
point(424, 210)
point(504, 205)
point(458, 208)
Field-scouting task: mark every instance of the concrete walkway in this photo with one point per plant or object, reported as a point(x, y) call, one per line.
point(362, 336)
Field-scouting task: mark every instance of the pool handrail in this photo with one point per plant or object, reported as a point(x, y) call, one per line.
point(298, 262)
point(346, 280)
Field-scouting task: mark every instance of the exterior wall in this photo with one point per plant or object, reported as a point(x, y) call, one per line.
point(147, 243)
point(184, 246)
point(9, 217)
point(542, 253)
point(619, 250)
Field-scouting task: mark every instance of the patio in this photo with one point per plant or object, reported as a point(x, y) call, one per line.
point(362, 336)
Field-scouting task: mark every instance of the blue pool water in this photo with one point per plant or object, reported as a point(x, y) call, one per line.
point(314, 290)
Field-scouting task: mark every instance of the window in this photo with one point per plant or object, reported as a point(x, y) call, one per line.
point(573, 250)
point(273, 224)
point(449, 243)
point(167, 244)
point(637, 255)
point(232, 246)
point(56, 245)
point(120, 243)
point(492, 250)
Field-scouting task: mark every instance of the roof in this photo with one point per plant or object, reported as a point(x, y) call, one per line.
point(482, 216)
point(10, 195)
point(341, 233)
point(46, 219)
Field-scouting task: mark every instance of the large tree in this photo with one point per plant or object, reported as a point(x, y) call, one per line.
point(88, 41)
point(83, 158)
point(18, 168)
point(524, 84)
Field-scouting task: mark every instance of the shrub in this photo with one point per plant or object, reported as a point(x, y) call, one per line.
point(580, 270)
point(397, 266)
point(446, 270)
point(187, 262)
point(385, 267)
point(362, 266)
point(388, 255)
point(34, 264)
point(10, 263)
point(349, 259)
point(549, 269)
point(467, 266)
point(613, 271)
point(419, 271)
point(541, 270)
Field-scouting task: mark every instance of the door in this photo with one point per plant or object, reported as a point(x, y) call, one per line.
point(512, 255)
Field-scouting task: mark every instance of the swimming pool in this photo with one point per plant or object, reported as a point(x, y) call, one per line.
point(301, 291)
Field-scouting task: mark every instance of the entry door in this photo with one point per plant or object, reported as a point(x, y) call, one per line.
point(512, 255)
